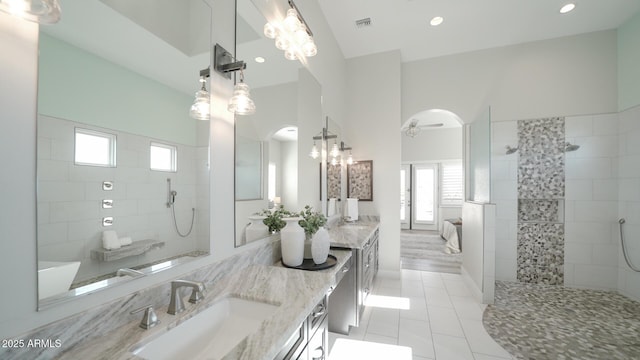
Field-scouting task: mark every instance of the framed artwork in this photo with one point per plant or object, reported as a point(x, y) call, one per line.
point(360, 180)
point(334, 185)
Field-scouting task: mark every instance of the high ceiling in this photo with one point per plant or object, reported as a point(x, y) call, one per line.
point(468, 24)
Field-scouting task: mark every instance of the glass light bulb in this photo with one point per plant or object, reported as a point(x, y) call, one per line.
point(335, 150)
point(291, 23)
point(291, 53)
point(301, 36)
point(334, 161)
point(270, 31)
point(241, 103)
point(309, 48)
point(282, 42)
point(350, 159)
point(314, 151)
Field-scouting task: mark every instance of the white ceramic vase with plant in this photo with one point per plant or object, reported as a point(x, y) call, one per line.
point(311, 222)
point(257, 229)
point(292, 242)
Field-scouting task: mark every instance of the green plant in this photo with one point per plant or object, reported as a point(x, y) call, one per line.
point(274, 218)
point(311, 220)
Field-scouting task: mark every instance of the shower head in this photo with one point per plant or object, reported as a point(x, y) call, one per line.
point(511, 150)
point(571, 147)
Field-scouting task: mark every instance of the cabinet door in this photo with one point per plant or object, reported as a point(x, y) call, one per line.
point(295, 345)
point(318, 346)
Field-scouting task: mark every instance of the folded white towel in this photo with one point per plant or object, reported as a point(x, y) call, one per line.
point(124, 241)
point(110, 240)
point(331, 209)
point(352, 209)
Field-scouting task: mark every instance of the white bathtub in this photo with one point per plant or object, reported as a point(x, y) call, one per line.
point(55, 277)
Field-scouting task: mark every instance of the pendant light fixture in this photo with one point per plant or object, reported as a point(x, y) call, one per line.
point(201, 107)
point(292, 35)
point(241, 103)
point(224, 63)
point(39, 11)
point(314, 151)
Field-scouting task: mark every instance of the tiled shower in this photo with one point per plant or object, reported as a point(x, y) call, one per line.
point(557, 211)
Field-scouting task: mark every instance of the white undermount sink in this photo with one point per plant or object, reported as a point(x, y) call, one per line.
point(210, 334)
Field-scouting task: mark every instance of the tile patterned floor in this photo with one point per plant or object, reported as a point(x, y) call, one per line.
point(551, 322)
point(443, 321)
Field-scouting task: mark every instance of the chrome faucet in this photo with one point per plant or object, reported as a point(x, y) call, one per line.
point(130, 272)
point(176, 305)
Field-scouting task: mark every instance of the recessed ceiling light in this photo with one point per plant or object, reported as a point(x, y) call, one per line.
point(568, 7)
point(259, 59)
point(436, 21)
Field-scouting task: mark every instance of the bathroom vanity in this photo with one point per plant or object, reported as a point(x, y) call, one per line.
point(348, 298)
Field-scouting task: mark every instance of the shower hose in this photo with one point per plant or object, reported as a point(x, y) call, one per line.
point(624, 248)
point(175, 222)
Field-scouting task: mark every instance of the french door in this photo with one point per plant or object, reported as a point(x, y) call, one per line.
point(418, 196)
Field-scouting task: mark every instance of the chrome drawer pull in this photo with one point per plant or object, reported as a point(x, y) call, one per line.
point(345, 269)
point(321, 350)
point(322, 311)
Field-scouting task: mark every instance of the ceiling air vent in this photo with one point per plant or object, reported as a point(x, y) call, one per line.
point(363, 23)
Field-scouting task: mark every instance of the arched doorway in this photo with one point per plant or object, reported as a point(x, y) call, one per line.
point(431, 190)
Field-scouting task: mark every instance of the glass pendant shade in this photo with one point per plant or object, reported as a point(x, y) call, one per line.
point(314, 151)
point(335, 150)
point(39, 11)
point(334, 161)
point(309, 48)
point(350, 159)
point(270, 31)
point(291, 22)
point(282, 42)
point(241, 103)
point(290, 54)
point(201, 106)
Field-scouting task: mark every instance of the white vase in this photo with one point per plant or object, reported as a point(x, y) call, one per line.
point(320, 244)
point(257, 229)
point(292, 242)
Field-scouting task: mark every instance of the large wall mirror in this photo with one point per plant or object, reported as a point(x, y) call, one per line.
point(272, 165)
point(123, 171)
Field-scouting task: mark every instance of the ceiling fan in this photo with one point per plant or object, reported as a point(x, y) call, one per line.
point(415, 127)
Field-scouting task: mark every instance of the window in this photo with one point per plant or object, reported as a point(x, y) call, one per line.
point(95, 148)
point(451, 184)
point(163, 157)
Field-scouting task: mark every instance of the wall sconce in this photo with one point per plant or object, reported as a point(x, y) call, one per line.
point(292, 35)
point(343, 148)
point(201, 106)
point(240, 103)
point(323, 135)
point(39, 11)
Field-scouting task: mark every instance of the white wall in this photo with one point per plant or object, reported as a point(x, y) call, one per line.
point(433, 145)
point(629, 200)
point(373, 129)
point(565, 76)
point(18, 149)
point(591, 208)
point(478, 262)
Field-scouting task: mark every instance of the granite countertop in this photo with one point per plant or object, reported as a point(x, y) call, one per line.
point(295, 291)
point(352, 235)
